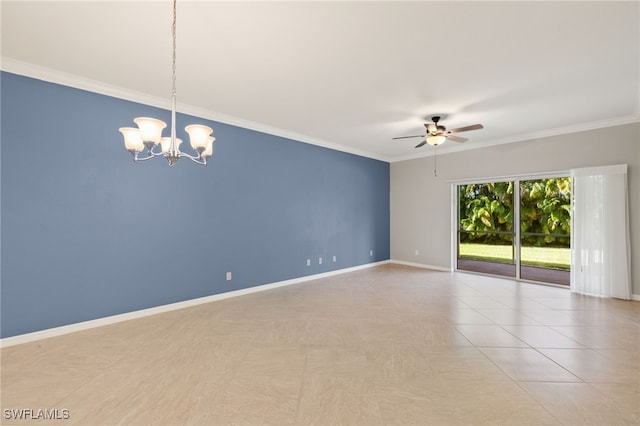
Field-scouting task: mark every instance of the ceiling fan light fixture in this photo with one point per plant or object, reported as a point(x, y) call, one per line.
point(436, 134)
point(435, 140)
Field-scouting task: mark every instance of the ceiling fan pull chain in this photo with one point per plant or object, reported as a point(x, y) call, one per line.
point(435, 162)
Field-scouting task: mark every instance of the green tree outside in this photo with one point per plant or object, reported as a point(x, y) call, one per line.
point(486, 210)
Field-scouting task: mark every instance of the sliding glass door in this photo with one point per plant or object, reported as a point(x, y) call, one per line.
point(523, 233)
point(545, 230)
point(485, 228)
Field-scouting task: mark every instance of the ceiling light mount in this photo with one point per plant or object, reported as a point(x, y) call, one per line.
point(148, 134)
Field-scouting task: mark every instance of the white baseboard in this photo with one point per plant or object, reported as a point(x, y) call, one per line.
point(635, 297)
point(420, 265)
point(85, 325)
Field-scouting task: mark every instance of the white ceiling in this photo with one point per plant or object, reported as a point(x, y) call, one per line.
point(349, 75)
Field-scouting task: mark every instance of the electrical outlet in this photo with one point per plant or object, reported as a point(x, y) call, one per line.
point(370, 252)
point(334, 258)
point(228, 276)
point(320, 261)
point(417, 252)
point(308, 262)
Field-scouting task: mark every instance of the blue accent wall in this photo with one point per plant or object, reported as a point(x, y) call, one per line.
point(88, 233)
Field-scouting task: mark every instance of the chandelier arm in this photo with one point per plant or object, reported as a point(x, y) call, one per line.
point(199, 159)
point(148, 157)
point(156, 154)
point(151, 153)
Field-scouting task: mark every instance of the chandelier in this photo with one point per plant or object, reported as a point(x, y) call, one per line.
point(148, 134)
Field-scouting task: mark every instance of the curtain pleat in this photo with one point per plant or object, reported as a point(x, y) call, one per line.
point(600, 242)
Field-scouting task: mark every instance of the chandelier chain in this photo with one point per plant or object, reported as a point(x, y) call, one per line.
point(173, 35)
point(174, 143)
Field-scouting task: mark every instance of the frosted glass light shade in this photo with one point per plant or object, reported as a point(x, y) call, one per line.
point(199, 135)
point(132, 139)
point(208, 152)
point(436, 140)
point(150, 128)
point(165, 144)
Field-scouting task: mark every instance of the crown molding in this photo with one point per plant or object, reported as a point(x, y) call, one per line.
point(59, 77)
point(26, 69)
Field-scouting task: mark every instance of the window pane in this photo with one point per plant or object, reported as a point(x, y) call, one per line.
point(545, 230)
point(489, 247)
point(486, 207)
point(485, 228)
point(545, 207)
point(546, 251)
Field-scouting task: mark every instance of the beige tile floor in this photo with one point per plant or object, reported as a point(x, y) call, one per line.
point(389, 345)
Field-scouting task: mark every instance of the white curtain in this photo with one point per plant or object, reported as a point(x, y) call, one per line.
point(600, 244)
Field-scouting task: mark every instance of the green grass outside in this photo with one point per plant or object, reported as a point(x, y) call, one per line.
point(545, 257)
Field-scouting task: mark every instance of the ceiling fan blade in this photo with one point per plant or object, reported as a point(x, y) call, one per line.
point(467, 128)
point(421, 144)
point(405, 137)
point(454, 138)
point(431, 128)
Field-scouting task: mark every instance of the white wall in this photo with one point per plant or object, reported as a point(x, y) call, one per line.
point(421, 202)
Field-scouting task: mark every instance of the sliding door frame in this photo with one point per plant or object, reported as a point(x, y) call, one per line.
point(516, 244)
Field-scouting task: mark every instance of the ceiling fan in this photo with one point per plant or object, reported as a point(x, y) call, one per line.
point(437, 134)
